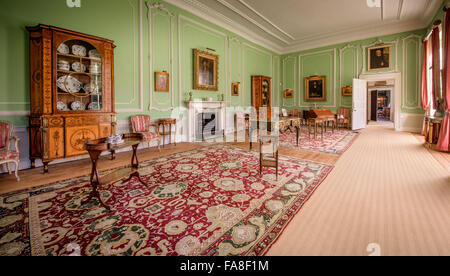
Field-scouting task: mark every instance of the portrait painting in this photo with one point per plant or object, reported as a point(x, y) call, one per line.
point(235, 89)
point(315, 89)
point(205, 71)
point(288, 93)
point(347, 91)
point(380, 58)
point(161, 82)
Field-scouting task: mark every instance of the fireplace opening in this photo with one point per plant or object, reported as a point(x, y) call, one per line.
point(207, 126)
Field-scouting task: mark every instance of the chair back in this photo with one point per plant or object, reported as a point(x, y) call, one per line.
point(140, 123)
point(344, 112)
point(240, 115)
point(295, 113)
point(6, 129)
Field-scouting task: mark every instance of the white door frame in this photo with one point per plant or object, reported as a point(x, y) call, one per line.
point(397, 91)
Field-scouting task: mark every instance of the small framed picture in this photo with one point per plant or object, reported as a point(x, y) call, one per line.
point(235, 89)
point(347, 91)
point(380, 58)
point(161, 82)
point(288, 93)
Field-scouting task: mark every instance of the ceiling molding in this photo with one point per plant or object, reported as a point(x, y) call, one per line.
point(263, 34)
point(200, 10)
point(248, 18)
point(266, 19)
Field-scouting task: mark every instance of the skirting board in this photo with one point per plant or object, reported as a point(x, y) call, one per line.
point(411, 122)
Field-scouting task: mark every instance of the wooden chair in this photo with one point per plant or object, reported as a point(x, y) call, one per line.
point(314, 125)
point(343, 117)
point(241, 119)
point(268, 153)
point(295, 113)
point(141, 124)
point(7, 155)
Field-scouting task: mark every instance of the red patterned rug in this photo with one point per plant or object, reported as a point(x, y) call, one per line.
point(211, 201)
point(334, 143)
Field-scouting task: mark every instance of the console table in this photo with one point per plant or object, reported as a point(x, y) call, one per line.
point(432, 130)
point(95, 149)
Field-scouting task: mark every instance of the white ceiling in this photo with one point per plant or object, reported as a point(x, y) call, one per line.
point(287, 26)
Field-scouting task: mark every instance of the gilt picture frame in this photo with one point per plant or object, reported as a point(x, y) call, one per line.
point(380, 58)
point(162, 82)
point(288, 93)
point(347, 91)
point(316, 88)
point(235, 89)
point(206, 71)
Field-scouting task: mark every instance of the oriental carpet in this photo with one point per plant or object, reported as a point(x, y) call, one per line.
point(210, 201)
point(334, 143)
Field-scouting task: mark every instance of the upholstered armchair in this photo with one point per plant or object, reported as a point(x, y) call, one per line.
point(8, 156)
point(343, 117)
point(141, 124)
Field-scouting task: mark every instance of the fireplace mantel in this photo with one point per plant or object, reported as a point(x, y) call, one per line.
point(196, 107)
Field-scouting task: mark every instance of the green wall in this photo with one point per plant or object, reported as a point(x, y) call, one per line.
point(168, 40)
point(341, 63)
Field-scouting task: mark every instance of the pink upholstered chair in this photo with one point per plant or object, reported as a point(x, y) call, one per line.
point(295, 113)
point(141, 124)
point(7, 155)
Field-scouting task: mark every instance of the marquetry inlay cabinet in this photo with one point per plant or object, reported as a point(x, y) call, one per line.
point(72, 92)
point(261, 94)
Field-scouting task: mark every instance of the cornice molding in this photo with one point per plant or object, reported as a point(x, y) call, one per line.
point(279, 46)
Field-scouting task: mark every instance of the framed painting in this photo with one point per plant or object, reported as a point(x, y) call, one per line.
point(380, 58)
point(235, 89)
point(347, 91)
point(288, 93)
point(161, 82)
point(206, 71)
point(316, 88)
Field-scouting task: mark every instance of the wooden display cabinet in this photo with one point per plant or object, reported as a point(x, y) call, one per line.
point(71, 90)
point(261, 94)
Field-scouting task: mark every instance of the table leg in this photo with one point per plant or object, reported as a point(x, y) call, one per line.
point(95, 181)
point(135, 164)
point(298, 134)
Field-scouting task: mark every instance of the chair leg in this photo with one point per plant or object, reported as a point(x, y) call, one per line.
point(8, 167)
point(17, 171)
point(159, 145)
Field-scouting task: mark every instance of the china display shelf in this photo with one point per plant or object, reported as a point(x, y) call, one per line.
point(79, 57)
point(81, 73)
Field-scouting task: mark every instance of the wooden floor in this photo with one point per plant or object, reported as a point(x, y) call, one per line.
point(35, 177)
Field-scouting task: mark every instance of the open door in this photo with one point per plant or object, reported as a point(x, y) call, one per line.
point(359, 117)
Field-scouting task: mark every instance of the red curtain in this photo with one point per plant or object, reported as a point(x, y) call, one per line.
point(424, 81)
point(444, 137)
point(424, 76)
point(436, 76)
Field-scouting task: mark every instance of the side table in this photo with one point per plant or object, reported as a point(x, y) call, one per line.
point(164, 122)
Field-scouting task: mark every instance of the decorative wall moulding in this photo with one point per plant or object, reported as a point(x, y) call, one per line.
point(333, 66)
point(141, 66)
point(160, 10)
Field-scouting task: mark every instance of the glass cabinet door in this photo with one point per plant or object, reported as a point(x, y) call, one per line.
point(79, 77)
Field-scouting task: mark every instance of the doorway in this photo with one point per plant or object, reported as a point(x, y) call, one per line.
point(379, 105)
point(385, 82)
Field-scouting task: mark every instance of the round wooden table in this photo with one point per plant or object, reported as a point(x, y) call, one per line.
point(168, 132)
